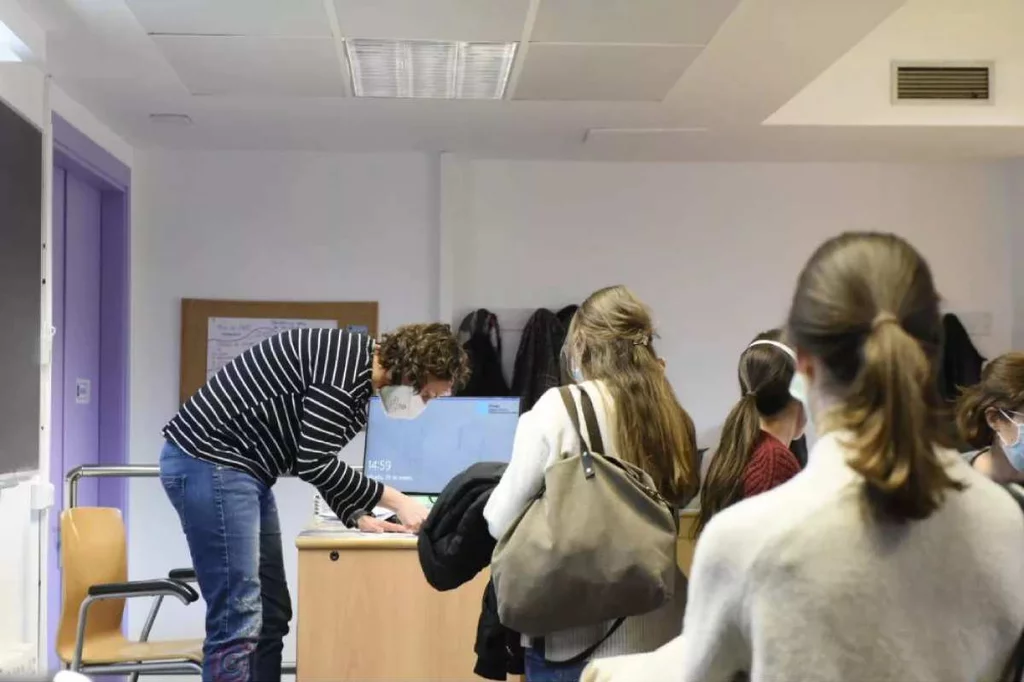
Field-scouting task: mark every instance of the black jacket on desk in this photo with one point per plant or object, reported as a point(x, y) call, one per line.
point(454, 546)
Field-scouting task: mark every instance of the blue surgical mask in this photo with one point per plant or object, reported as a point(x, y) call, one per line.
point(571, 365)
point(577, 373)
point(1014, 451)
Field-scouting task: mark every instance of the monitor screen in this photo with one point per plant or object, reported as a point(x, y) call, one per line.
point(420, 456)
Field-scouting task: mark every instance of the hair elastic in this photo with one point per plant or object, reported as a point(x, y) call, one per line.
point(883, 318)
point(778, 344)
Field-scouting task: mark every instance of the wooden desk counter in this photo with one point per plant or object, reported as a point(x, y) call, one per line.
point(365, 611)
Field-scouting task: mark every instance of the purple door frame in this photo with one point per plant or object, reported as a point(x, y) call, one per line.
point(76, 154)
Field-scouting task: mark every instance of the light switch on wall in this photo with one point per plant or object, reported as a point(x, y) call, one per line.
point(83, 391)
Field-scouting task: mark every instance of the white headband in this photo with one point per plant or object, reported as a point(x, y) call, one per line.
point(781, 346)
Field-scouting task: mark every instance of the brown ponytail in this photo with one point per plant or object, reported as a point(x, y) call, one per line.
point(765, 372)
point(866, 310)
point(888, 415)
point(1001, 388)
point(723, 485)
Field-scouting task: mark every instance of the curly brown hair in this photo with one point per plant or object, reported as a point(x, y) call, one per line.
point(420, 352)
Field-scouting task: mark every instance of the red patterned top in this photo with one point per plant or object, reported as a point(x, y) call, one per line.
point(771, 465)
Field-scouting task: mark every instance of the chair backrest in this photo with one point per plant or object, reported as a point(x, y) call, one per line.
point(92, 552)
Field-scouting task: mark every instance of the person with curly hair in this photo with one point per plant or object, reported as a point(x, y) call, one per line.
point(287, 406)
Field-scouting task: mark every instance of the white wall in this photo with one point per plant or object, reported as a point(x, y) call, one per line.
point(1014, 198)
point(715, 248)
point(263, 226)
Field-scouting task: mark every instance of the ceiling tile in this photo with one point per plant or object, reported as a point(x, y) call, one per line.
point(233, 17)
point(602, 72)
point(468, 20)
point(630, 21)
point(298, 67)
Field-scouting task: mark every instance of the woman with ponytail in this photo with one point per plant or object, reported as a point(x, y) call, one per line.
point(753, 455)
point(888, 557)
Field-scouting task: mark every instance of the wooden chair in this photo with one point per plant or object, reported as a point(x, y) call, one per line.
point(95, 565)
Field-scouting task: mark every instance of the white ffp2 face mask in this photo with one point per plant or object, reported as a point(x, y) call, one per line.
point(798, 389)
point(402, 402)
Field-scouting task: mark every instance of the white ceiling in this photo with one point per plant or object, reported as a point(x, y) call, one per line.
point(615, 79)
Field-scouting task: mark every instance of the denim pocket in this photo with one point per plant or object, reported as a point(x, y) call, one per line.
point(174, 486)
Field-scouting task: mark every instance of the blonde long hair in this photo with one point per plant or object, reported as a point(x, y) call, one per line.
point(610, 338)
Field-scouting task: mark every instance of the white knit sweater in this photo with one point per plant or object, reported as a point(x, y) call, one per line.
point(542, 436)
point(798, 584)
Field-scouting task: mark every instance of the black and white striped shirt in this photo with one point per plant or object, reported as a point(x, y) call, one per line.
point(287, 406)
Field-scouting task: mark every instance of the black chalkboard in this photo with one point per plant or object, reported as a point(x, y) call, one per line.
point(21, 219)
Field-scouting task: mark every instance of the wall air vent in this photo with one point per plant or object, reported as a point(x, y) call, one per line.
point(942, 82)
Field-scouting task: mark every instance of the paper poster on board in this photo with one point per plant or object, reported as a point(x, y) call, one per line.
point(229, 337)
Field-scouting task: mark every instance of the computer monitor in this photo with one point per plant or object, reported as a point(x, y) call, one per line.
point(420, 456)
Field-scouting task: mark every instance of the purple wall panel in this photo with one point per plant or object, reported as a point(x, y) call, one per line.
point(81, 331)
point(94, 313)
point(113, 396)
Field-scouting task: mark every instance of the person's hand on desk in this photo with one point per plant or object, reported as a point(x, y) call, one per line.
point(371, 524)
point(412, 514)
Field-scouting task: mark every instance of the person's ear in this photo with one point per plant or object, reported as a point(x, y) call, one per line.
point(661, 361)
point(804, 364)
point(993, 418)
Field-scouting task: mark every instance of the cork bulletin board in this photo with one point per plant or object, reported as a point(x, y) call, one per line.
point(213, 331)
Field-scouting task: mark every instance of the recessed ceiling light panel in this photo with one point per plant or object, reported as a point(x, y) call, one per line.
point(11, 47)
point(423, 69)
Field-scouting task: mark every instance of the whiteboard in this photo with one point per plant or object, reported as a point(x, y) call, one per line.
point(229, 337)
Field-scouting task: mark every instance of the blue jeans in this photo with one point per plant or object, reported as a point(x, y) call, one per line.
point(539, 670)
point(234, 536)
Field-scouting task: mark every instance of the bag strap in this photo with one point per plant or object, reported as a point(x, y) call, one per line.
point(1014, 669)
point(590, 417)
point(538, 644)
point(570, 407)
point(586, 458)
point(594, 429)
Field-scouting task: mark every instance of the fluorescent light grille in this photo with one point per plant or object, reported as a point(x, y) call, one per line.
point(424, 69)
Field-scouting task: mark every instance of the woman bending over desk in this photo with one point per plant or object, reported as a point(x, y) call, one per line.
point(287, 406)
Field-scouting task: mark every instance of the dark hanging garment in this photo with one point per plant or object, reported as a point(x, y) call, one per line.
point(454, 545)
point(960, 367)
point(481, 338)
point(565, 316)
point(538, 365)
point(961, 361)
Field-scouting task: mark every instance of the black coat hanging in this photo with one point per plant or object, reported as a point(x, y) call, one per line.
point(481, 337)
point(961, 362)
